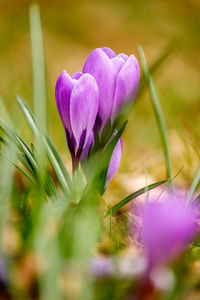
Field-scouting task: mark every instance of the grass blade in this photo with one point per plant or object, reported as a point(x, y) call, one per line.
point(194, 185)
point(28, 115)
point(52, 153)
point(158, 113)
point(38, 65)
point(39, 90)
point(134, 195)
point(18, 168)
point(156, 65)
point(6, 187)
point(19, 143)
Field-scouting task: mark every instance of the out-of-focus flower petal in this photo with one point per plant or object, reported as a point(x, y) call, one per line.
point(168, 227)
point(109, 52)
point(102, 267)
point(127, 82)
point(99, 65)
point(84, 105)
point(123, 56)
point(114, 162)
point(64, 86)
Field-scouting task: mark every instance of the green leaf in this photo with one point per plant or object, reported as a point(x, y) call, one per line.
point(6, 186)
point(28, 115)
point(194, 185)
point(99, 178)
point(38, 68)
point(156, 65)
point(19, 143)
point(52, 153)
point(18, 168)
point(158, 113)
point(134, 195)
point(51, 188)
point(28, 153)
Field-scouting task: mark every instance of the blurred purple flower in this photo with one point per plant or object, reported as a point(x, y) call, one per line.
point(168, 227)
point(102, 267)
point(114, 162)
point(117, 77)
point(77, 100)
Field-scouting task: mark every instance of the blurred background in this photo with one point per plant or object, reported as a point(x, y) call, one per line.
point(72, 29)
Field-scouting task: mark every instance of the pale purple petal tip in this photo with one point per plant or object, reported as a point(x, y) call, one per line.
point(109, 52)
point(118, 63)
point(114, 162)
point(77, 75)
point(123, 56)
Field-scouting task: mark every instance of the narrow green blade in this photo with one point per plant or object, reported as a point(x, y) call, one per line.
point(194, 185)
point(134, 195)
point(53, 155)
point(38, 66)
point(158, 113)
point(156, 65)
point(18, 168)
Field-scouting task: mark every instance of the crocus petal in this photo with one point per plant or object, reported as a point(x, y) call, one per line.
point(168, 227)
point(127, 82)
point(109, 52)
point(99, 65)
point(84, 105)
point(77, 75)
point(114, 162)
point(87, 147)
point(118, 63)
point(64, 86)
point(123, 56)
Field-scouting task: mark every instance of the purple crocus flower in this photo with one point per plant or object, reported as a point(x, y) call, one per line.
point(77, 100)
point(117, 77)
point(168, 227)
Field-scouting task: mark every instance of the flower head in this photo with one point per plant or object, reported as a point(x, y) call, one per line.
point(77, 100)
point(168, 227)
point(117, 77)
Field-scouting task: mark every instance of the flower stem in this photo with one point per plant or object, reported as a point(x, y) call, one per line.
point(75, 164)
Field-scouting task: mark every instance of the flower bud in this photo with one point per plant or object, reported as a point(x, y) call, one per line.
point(77, 100)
